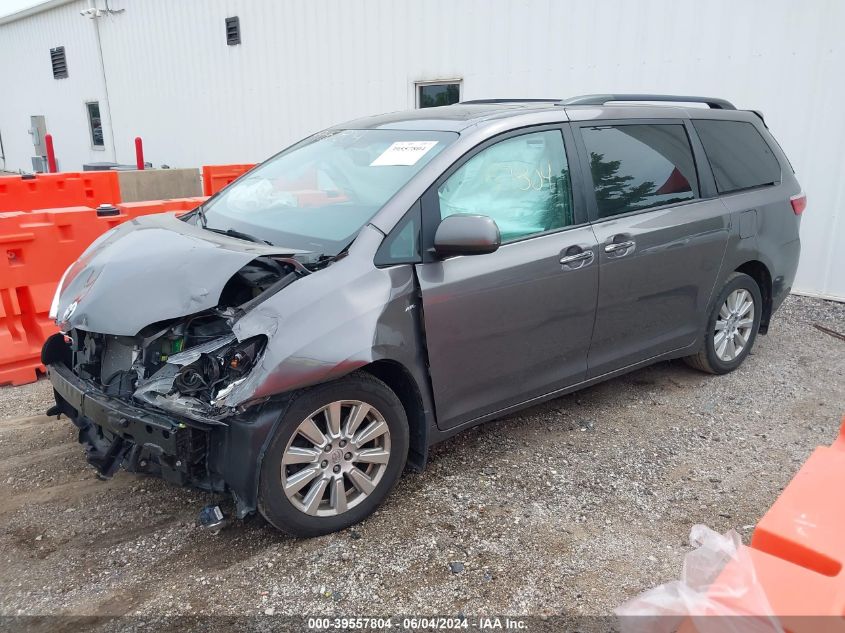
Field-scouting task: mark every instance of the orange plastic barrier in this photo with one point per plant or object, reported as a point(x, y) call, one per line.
point(805, 529)
point(798, 552)
point(134, 209)
point(51, 191)
point(215, 177)
point(35, 249)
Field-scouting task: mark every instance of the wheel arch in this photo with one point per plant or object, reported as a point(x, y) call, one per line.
point(760, 273)
point(400, 380)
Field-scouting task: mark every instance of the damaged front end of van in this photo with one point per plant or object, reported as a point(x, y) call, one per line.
point(151, 363)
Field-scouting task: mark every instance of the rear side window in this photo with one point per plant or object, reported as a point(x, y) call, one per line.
point(639, 166)
point(739, 156)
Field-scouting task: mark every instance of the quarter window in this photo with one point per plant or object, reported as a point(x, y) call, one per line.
point(402, 246)
point(636, 166)
point(739, 156)
point(522, 183)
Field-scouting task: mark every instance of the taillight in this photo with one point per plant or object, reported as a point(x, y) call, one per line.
point(799, 203)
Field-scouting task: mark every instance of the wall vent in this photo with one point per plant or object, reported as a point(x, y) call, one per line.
point(59, 62)
point(233, 31)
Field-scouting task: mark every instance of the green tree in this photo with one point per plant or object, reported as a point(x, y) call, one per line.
point(558, 209)
point(614, 193)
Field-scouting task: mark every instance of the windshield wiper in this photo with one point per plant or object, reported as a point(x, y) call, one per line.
point(238, 234)
point(203, 222)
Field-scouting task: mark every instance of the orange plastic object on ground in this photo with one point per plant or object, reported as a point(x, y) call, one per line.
point(797, 554)
point(35, 249)
point(215, 177)
point(64, 189)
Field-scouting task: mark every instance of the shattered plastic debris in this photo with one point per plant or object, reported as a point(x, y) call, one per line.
point(156, 391)
point(704, 594)
point(160, 382)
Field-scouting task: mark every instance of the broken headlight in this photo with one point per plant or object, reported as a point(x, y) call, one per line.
point(209, 371)
point(196, 382)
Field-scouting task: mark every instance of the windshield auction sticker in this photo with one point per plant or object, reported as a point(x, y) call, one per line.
point(403, 153)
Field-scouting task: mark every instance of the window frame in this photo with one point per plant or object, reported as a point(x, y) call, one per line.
point(706, 183)
point(765, 142)
point(436, 82)
point(430, 200)
point(91, 125)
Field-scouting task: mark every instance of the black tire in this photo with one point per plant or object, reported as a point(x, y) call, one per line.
point(707, 359)
point(274, 504)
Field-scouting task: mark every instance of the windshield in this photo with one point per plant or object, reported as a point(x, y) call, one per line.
point(316, 195)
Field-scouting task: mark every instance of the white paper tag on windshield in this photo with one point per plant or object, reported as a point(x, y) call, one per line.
point(403, 153)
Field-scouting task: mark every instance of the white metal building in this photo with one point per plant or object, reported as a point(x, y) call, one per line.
point(202, 90)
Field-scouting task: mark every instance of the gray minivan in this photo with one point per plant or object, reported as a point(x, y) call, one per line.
point(318, 324)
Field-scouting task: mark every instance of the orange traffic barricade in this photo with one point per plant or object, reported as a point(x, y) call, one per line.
point(215, 177)
point(64, 189)
point(35, 249)
point(146, 207)
point(789, 580)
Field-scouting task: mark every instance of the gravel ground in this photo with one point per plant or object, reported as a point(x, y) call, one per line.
point(570, 507)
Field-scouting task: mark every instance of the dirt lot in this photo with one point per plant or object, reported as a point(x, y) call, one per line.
point(569, 507)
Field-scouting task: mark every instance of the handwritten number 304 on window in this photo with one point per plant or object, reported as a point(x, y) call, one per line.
point(533, 179)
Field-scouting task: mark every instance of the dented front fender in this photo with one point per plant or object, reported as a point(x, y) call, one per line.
point(332, 322)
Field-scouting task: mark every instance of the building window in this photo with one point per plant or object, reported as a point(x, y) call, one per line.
point(233, 31)
point(95, 124)
point(59, 62)
point(433, 94)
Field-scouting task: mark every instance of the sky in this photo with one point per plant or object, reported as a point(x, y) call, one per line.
point(13, 6)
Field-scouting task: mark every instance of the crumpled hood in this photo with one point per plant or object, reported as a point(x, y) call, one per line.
point(151, 269)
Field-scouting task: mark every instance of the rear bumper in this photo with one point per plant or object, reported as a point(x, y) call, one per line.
point(789, 255)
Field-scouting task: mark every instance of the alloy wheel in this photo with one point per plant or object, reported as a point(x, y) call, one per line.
point(336, 458)
point(734, 325)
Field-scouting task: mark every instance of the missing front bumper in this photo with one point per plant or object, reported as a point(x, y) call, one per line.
point(117, 433)
point(220, 458)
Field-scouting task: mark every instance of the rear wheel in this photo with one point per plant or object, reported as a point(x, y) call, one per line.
point(335, 456)
point(731, 328)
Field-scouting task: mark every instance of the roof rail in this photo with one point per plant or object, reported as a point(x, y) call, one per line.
point(480, 101)
point(712, 102)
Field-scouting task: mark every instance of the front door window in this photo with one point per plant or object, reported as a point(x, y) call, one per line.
point(522, 183)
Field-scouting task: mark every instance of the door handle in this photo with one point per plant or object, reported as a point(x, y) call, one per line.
point(577, 260)
point(619, 247)
point(578, 257)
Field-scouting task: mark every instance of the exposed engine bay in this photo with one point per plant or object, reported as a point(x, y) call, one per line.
point(185, 366)
point(163, 342)
point(155, 402)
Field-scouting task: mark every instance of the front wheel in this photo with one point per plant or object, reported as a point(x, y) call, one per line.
point(731, 328)
point(336, 454)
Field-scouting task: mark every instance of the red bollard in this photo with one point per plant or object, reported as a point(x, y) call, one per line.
point(139, 153)
point(51, 154)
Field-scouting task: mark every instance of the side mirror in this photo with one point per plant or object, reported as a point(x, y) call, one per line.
point(462, 234)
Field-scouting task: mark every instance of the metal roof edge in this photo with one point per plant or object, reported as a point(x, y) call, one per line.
point(38, 8)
